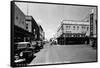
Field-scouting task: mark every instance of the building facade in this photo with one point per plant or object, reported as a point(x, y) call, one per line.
point(20, 30)
point(93, 29)
point(35, 29)
point(73, 31)
point(41, 33)
point(92, 19)
point(32, 27)
point(25, 27)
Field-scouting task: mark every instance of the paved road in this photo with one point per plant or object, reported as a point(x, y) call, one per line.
point(64, 54)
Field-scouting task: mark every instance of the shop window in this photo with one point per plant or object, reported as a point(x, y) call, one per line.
point(78, 35)
point(83, 35)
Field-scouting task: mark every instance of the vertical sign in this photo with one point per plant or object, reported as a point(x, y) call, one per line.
point(91, 24)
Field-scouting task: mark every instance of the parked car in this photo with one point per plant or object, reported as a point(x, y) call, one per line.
point(23, 52)
point(35, 46)
point(40, 44)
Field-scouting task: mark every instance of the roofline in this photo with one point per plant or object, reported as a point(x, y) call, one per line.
point(75, 20)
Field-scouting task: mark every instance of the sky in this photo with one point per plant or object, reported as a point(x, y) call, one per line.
point(50, 16)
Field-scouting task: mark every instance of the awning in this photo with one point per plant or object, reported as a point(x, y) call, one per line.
point(18, 30)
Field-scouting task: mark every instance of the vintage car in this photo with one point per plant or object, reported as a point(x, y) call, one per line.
point(37, 45)
point(40, 44)
point(23, 52)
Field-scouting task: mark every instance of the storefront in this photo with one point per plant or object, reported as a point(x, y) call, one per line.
point(72, 40)
point(21, 35)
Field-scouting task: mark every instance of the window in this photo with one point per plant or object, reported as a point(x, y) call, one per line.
point(74, 35)
point(83, 35)
point(83, 27)
point(22, 22)
point(68, 27)
point(74, 27)
point(17, 17)
point(34, 31)
point(87, 28)
point(26, 26)
point(77, 27)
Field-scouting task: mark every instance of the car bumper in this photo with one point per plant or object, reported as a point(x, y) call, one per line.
point(19, 60)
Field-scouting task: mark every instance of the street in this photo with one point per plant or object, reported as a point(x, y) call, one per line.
point(50, 35)
point(52, 54)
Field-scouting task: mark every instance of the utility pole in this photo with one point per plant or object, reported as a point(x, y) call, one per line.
point(27, 9)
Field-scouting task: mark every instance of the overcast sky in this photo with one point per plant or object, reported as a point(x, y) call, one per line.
point(49, 16)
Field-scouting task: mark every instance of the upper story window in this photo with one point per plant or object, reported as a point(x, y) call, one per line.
point(26, 26)
point(74, 27)
point(68, 27)
point(22, 22)
point(87, 28)
point(77, 27)
point(83, 27)
point(34, 31)
point(17, 17)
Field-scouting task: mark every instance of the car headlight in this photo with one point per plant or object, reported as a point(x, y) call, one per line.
point(21, 54)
